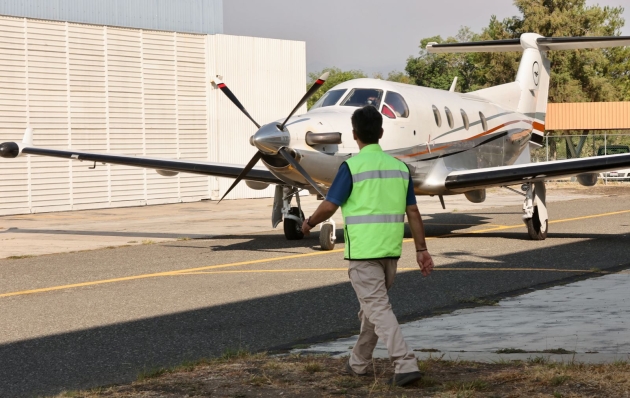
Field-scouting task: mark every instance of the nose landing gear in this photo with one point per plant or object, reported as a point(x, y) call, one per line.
point(327, 235)
point(293, 218)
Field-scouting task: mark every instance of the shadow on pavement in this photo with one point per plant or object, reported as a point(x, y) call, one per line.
point(463, 220)
point(105, 233)
point(118, 353)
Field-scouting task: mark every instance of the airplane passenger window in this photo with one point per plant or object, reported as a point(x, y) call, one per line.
point(484, 123)
point(329, 99)
point(363, 96)
point(397, 103)
point(438, 117)
point(465, 119)
point(449, 117)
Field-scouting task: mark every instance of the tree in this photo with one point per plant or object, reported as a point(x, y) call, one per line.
point(399, 77)
point(576, 76)
point(394, 76)
point(439, 70)
point(581, 75)
point(336, 76)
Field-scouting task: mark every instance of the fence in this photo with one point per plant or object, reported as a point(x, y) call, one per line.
point(559, 147)
point(556, 147)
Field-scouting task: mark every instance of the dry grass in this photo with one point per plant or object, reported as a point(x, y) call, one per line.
point(239, 374)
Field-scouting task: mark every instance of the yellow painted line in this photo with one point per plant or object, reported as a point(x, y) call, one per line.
point(262, 271)
point(159, 274)
point(264, 260)
point(612, 213)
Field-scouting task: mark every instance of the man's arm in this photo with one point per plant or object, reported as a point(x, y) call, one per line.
point(337, 194)
point(417, 230)
point(324, 211)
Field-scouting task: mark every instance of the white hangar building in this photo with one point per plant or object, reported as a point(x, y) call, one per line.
point(134, 78)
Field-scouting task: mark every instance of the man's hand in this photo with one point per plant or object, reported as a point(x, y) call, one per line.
point(425, 262)
point(324, 211)
point(306, 229)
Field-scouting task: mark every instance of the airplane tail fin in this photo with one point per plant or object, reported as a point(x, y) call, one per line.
point(529, 92)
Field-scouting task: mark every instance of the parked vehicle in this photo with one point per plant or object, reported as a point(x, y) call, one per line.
point(618, 175)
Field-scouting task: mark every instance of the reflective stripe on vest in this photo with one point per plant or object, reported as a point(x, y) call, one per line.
point(374, 213)
point(381, 218)
point(367, 175)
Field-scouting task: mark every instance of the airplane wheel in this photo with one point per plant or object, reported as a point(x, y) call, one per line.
point(326, 237)
point(533, 227)
point(292, 228)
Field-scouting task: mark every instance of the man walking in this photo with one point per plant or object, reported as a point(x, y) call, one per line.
point(375, 191)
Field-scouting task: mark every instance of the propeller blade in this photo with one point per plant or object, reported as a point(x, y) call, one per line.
point(246, 170)
point(233, 98)
point(301, 170)
point(309, 93)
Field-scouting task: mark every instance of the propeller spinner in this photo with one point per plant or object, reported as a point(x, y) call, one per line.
point(272, 138)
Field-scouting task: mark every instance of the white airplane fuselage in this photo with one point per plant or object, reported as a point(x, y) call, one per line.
point(430, 151)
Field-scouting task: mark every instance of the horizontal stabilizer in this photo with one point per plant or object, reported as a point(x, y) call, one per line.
point(543, 44)
point(575, 43)
point(476, 46)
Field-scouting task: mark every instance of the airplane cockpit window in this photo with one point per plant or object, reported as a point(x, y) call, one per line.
point(329, 99)
point(364, 96)
point(438, 117)
point(395, 106)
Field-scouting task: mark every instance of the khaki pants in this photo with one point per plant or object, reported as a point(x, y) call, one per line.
point(371, 279)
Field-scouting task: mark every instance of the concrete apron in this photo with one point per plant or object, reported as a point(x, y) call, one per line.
point(63, 232)
point(590, 318)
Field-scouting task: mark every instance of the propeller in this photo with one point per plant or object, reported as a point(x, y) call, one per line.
point(233, 98)
point(318, 83)
point(300, 169)
point(282, 151)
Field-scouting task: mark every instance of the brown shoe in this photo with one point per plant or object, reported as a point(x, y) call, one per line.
point(351, 371)
point(402, 379)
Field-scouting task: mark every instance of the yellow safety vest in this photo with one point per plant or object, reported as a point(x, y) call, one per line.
point(374, 214)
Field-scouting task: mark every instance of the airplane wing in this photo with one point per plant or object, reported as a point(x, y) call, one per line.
point(465, 180)
point(167, 167)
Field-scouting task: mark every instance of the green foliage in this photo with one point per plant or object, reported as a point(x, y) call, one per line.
point(439, 70)
point(399, 77)
point(576, 76)
point(336, 76)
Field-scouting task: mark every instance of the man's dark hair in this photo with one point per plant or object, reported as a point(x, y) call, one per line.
point(367, 123)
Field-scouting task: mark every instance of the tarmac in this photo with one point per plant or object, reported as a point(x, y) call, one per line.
point(133, 289)
point(66, 232)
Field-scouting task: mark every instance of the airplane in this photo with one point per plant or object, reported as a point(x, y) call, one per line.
point(453, 143)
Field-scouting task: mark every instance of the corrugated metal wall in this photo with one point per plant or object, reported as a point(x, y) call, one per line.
point(588, 116)
point(133, 92)
point(189, 16)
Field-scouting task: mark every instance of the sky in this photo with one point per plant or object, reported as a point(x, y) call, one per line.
point(370, 35)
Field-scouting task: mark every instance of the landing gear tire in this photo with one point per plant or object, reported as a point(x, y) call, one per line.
point(326, 240)
point(292, 228)
point(534, 229)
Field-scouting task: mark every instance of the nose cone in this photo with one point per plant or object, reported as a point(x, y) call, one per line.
point(9, 150)
point(269, 139)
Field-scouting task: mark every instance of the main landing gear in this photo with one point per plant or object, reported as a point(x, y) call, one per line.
point(293, 218)
point(535, 210)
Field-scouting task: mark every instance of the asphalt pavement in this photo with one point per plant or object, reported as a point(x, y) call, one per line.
point(92, 318)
